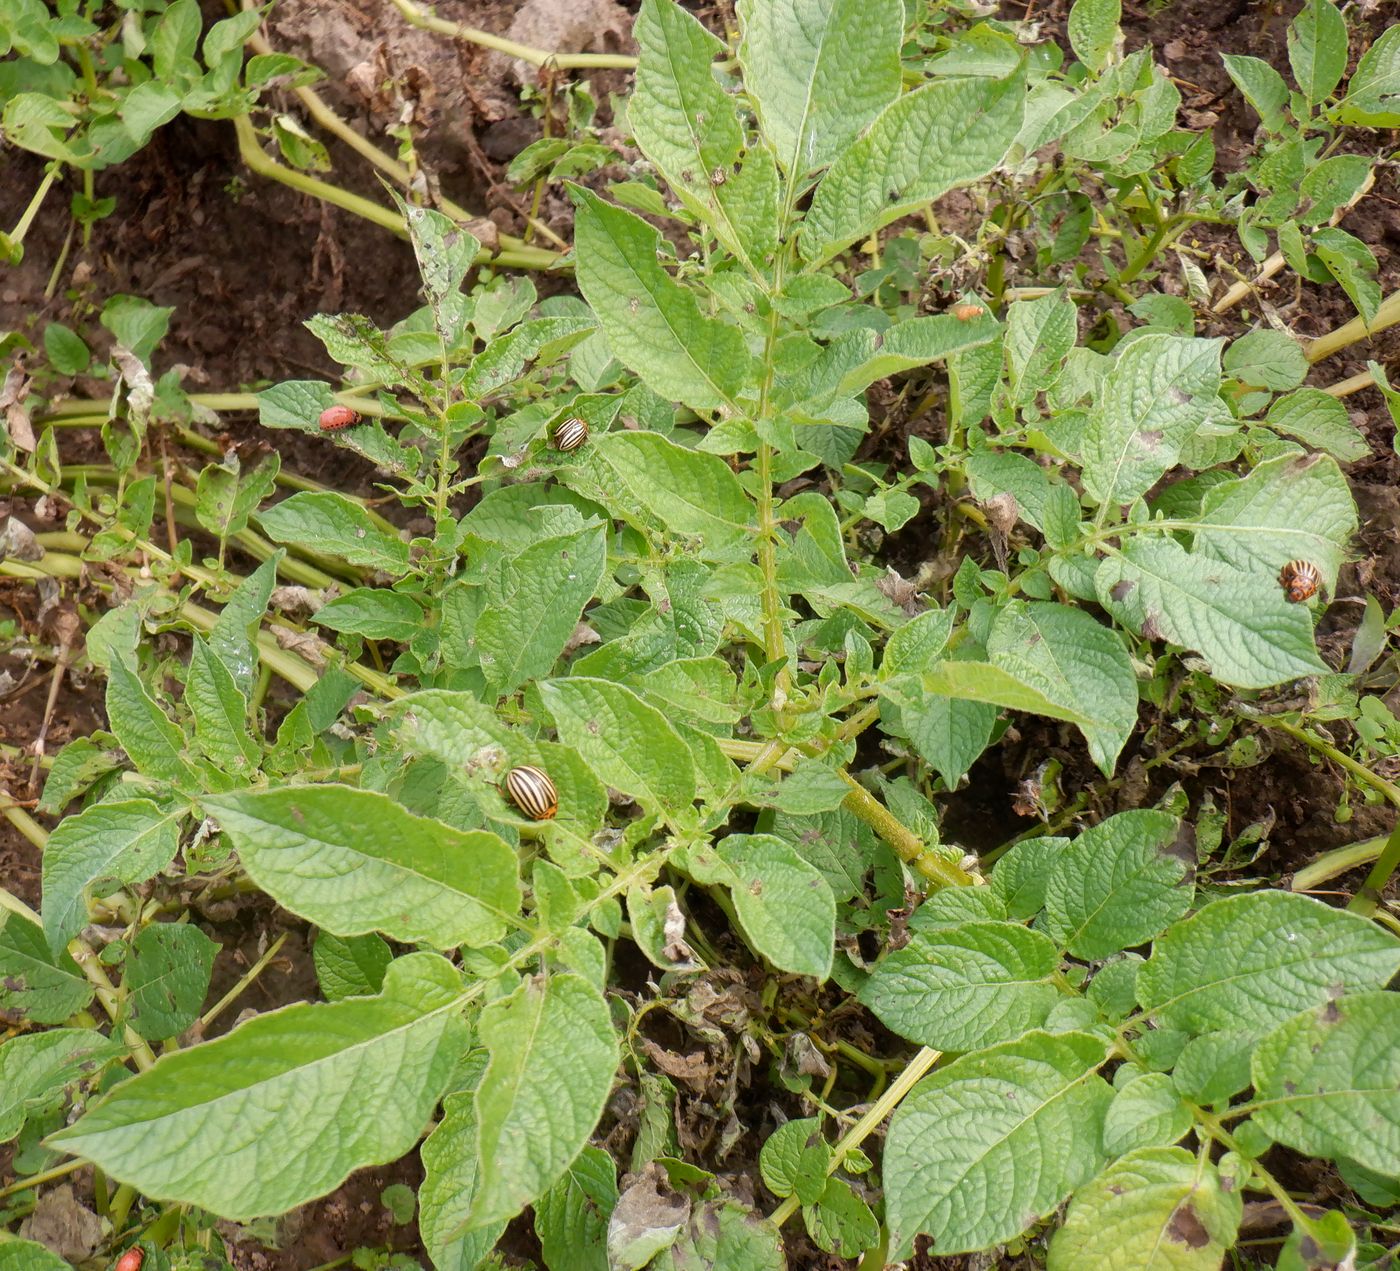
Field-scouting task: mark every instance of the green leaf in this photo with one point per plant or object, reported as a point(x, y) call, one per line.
point(374, 613)
point(1240, 622)
point(66, 351)
point(629, 744)
point(535, 605)
point(137, 324)
point(1093, 30)
point(1214, 1066)
point(911, 647)
point(167, 975)
point(688, 491)
point(686, 125)
point(950, 732)
point(1353, 265)
point(1319, 420)
point(1075, 662)
point(981, 1149)
point(922, 145)
point(1263, 88)
point(227, 36)
point(445, 252)
point(1157, 1209)
point(983, 682)
point(220, 711)
point(1317, 49)
point(34, 984)
point(225, 496)
point(819, 72)
point(1373, 93)
point(783, 904)
point(146, 107)
point(1039, 336)
point(450, 1174)
point(350, 966)
point(35, 1067)
point(811, 787)
point(571, 1218)
point(794, 1160)
point(26, 1255)
point(176, 38)
point(1157, 393)
point(553, 1055)
point(1295, 507)
point(964, 987)
point(841, 1222)
point(1267, 359)
point(654, 325)
point(156, 746)
point(835, 843)
point(108, 843)
point(38, 123)
point(1327, 1082)
point(1250, 962)
point(333, 525)
point(328, 1087)
point(913, 342)
point(1119, 884)
point(233, 638)
point(541, 340)
point(354, 861)
point(1147, 1112)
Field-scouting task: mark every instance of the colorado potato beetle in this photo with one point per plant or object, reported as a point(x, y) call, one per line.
point(337, 417)
point(570, 435)
point(532, 791)
point(1300, 580)
point(131, 1260)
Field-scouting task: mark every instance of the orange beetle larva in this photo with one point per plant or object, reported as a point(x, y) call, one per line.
point(532, 791)
point(336, 417)
point(965, 313)
point(131, 1260)
point(1300, 580)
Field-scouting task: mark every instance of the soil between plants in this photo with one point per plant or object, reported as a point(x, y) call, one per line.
point(244, 262)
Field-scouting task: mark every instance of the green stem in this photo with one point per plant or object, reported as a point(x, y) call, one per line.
point(861, 1130)
point(16, 235)
point(241, 987)
point(908, 846)
point(1368, 896)
point(259, 162)
point(525, 52)
point(1356, 330)
point(1338, 861)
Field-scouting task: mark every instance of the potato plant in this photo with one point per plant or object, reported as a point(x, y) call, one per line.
point(632, 688)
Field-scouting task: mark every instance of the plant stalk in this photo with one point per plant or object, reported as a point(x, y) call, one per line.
point(860, 1131)
point(536, 57)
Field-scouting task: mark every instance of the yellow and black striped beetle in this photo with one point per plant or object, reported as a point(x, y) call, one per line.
point(531, 790)
point(570, 435)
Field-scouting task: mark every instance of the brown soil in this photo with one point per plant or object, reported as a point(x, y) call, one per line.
point(245, 261)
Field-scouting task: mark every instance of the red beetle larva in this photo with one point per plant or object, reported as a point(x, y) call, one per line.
point(131, 1260)
point(337, 417)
